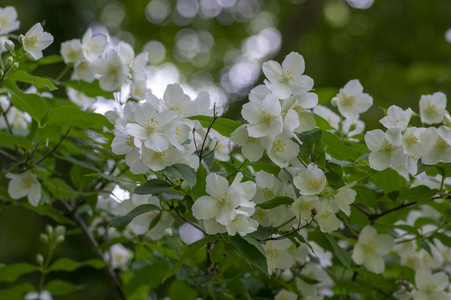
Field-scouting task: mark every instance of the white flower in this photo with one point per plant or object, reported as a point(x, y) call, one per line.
point(397, 117)
point(431, 286)
point(223, 200)
point(268, 186)
point(352, 127)
point(310, 182)
point(126, 52)
point(386, 148)
point(251, 147)
point(277, 255)
point(343, 198)
point(438, 145)
point(93, 45)
point(8, 19)
point(326, 218)
point(112, 70)
point(302, 104)
point(432, 108)
point(281, 150)
point(264, 118)
point(351, 101)
point(25, 184)
point(411, 141)
point(44, 295)
point(302, 207)
point(71, 51)
point(370, 248)
point(287, 79)
point(332, 118)
point(158, 160)
point(36, 40)
point(79, 98)
point(285, 295)
point(120, 256)
point(138, 90)
point(84, 70)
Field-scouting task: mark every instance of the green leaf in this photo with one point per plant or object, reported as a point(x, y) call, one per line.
point(13, 140)
point(254, 242)
point(155, 221)
point(32, 104)
point(73, 116)
point(182, 171)
point(68, 265)
point(180, 289)
point(11, 273)
point(49, 211)
point(223, 126)
point(251, 253)
point(217, 252)
point(305, 278)
point(321, 123)
point(92, 89)
point(342, 255)
point(121, 222)
point(418, 193)
point(51, 59)
point(37, 81)
point(199, 189)
point(388, 180)
point(60, 287)
point(189, 252)
point(336, 148)
point(16, 292)
point(274, 202)
point(152, 186)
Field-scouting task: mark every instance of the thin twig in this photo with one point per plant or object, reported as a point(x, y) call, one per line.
point(95, 245)
point(56, 146)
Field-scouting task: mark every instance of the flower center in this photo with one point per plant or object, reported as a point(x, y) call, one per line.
point(221, 200)
point(265, 118)
point(313, 183)
point(274, 253)
point(431, 109)
point(83, 66)
point(130, 141)
point(370, 249)
point(441, 145)
point(299, 110)
point(3, 22)
point(287, 76)
point(261, 212)
point(267, 192)
point(174, 107)
point(93, 49)
point(252, 140)
point(387, 147)
point(32, 40)
point(306, 205)
point(278, 145)
point(349, 101)
point(325, 215)
point(159, 155)
point(412, 139)
point(151, 124)
point(112, 70)
point(26, 183)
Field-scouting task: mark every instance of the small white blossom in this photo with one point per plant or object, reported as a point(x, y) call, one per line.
point(93, 45)
point(8, 19)
point(25, 184)
point(370, 248)
point(397, 117)
point(112, 70)
point(437, 143)
point(287, 79)
point(120, 256)
point(386, 148)
point(332, 118)
point(351, 101)
point(71, 51)
point(36, 40)
point(285, 295)
point(432, 108)
point(312, 181)
point(431, 286)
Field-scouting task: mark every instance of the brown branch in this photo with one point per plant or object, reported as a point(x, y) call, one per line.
point(95, 245)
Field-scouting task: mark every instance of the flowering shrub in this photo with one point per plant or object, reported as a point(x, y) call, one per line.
point(297, 202)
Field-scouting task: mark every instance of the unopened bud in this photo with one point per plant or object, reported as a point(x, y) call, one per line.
point(59, 239)
point(44, 238)
point(60, 230)
point(49, 230)
point(9, 61)
point(334, 101)
point(15, 66)
point(9, 45)
point(40, 259)
point(447, 120)
point(20, 38)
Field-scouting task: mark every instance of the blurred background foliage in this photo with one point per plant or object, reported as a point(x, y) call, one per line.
point(398, 50)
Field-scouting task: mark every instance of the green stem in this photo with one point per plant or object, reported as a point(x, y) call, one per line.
point(44, 270)
point(63, 72)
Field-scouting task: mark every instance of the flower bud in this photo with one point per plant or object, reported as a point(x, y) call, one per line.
point(40, 259)
point(49, 230)
point(9, 45)
point(447, 120)
point(334, 101)
point(44, 238)
point(60, 230)
point(59, 239)
point(9, 61)
point(15, 66)
point(20, 38)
